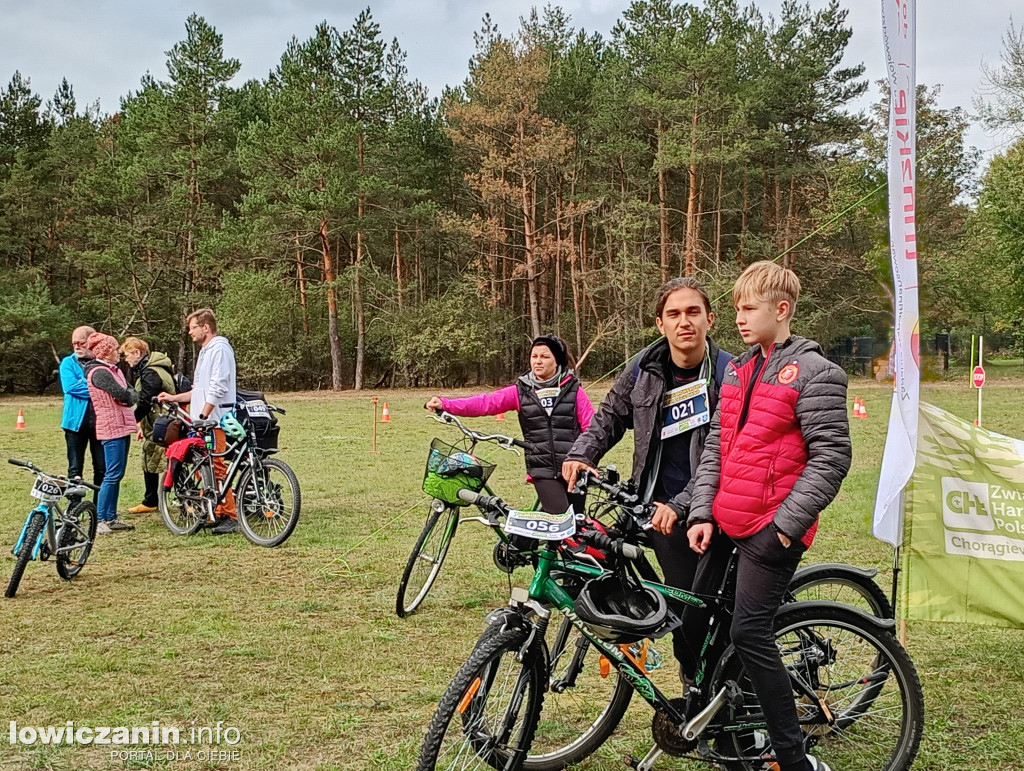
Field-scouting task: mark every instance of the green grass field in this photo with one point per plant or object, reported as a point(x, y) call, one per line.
point(299, 647)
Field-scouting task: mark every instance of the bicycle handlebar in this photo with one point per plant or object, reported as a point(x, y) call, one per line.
point(606, 543)
point(505, 442)
point(39, 472)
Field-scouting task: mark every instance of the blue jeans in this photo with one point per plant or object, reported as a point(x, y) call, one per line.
point(115, 455)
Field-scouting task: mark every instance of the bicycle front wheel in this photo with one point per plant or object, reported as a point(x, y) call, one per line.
point(75, 539)
point(269, 502)
point(840, 583)
point(487, 717)
point(585, 702)
point(32, 531)
point(859, 698)
point(425, 561)
point(183, 507)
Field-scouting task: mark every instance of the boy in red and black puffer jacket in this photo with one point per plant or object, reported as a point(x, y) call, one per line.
point(777, 453)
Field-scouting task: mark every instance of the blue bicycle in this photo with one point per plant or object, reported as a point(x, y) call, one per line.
point(65, 532)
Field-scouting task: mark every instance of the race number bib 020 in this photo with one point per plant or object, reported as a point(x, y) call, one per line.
point(686, 408)
point(540, 524)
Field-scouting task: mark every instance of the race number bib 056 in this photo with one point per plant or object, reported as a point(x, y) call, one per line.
point(686, 408)
point(540, 524)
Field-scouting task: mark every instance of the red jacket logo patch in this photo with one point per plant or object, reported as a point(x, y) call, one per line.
point(789, 373)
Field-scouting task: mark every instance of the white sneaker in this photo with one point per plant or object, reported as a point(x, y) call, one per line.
point(818, 765)
point(102, 528)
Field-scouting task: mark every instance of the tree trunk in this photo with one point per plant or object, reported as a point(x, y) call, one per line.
point(529, 193)
point(787, 261)
point(743, 216)
point(332, 308)
point(691, 203)
point(663, 205)
point(357, 298)
point(301, 279)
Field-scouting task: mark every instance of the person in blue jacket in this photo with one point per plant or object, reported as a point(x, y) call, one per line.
point(78, 419)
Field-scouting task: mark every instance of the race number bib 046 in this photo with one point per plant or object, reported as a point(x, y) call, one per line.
point(540, 524)
point(686, 408)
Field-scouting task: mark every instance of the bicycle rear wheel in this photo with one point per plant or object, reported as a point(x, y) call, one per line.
point(858, 670)
point(269, 502)
point(183, 507)
point(585, 702)
point(32, 531)
point(426, 559)
point(840, 583)
point(75, 539)
point(487, 717)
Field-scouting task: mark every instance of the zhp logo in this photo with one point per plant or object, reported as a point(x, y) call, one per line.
point(965, 505)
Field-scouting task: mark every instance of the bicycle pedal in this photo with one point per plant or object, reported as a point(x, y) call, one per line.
point(631, 761)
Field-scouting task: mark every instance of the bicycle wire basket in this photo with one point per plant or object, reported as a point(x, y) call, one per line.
point(450, 469)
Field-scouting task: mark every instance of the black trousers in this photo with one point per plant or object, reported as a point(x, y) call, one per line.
point(78, 442)
point(678, 564)
point(764, 568)
point(555, 498)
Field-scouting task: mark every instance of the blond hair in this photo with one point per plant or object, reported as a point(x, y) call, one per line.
point(135, 344)
point(769, 281)
point(203, 316)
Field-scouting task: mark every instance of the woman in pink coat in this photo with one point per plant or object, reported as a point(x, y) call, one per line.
point(112, 399)
point(553, 410)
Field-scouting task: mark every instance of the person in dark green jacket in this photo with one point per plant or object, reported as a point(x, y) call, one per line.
point(153, 373)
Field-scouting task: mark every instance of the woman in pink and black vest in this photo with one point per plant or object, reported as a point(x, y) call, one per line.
point(112, 400)
point(553, 411)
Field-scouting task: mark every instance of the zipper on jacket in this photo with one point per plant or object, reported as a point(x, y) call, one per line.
point(748, 397)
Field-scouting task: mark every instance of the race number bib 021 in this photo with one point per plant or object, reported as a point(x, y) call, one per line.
point(686, 408)
point(540, 524)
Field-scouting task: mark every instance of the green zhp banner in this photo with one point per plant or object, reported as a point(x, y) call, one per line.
point(964, 526)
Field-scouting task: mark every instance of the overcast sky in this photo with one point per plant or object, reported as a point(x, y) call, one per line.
point(104, 47)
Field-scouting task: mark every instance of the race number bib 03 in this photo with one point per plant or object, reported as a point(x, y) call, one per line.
point(540, 524)
point(547, 397)
point(686, 408)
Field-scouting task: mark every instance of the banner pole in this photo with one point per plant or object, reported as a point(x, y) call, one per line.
point(981, 347)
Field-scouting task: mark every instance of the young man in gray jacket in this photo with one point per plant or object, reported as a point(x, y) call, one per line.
point(667, 394)
point(212, 394)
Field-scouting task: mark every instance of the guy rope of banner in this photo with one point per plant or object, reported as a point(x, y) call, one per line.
point(345, 570)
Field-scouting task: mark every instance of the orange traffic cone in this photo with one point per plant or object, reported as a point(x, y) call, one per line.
point(19, 424)
point(856, 407)
point(385, 415)
point(500, 416)
point(863, 410)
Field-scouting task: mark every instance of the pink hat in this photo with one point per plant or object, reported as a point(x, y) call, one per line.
point(103, 346)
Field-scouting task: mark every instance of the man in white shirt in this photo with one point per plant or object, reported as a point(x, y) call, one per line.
point(212, 395)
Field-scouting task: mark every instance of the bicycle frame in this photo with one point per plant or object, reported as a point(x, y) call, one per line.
point(699, 713)
point(50, 532)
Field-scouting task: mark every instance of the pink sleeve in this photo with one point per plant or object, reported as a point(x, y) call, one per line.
point(584, 409)
point(503, 400)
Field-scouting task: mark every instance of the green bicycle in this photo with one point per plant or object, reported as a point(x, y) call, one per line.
point(856, 690)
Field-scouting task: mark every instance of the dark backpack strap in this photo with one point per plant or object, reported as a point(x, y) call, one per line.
point(721, 364)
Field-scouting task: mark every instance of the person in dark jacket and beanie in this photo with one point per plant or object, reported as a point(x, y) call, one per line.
point(778, 451)
point(153, 373)
point(553, 411)
point(667, 394)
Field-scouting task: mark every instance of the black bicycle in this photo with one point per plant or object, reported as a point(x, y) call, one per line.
point(856, 690)
point(65, 532)
point(267, 495)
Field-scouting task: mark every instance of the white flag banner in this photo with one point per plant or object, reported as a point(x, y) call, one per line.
point(899, 31)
